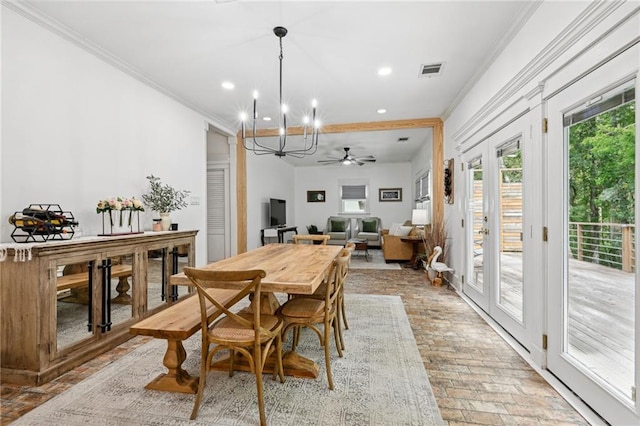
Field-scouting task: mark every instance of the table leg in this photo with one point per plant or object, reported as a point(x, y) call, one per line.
point(177, 379)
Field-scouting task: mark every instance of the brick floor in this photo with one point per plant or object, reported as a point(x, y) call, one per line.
point(476, 377)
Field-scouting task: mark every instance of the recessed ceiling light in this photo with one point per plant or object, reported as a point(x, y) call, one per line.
point(382, 111)
point(228, 85)
point(266, 118)
point(384, 71)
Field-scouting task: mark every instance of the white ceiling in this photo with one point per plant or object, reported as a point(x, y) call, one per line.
point(332, 53)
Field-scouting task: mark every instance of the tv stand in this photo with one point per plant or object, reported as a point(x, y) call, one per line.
point(279, 232)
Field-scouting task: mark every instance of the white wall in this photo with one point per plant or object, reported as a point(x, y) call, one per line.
point(77, 130)
point(326, 178)
point(267, 177)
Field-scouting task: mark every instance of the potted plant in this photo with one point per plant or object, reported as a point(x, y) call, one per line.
point(164, 199)
point(313, 230)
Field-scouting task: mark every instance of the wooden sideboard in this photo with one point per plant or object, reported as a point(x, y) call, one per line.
point(71, 300)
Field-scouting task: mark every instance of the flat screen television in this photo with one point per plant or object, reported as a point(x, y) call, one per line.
point(277, 212)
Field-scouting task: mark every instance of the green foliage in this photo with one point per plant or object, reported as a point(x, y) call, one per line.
point(602, 182)
point(163, 198)
point(602, 167)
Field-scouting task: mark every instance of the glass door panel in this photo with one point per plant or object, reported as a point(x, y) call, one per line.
point(477, 219)
point(591, 188)
point(510, 294)
point(156, 278)
point(119, 286)
point(600, 262)
point(73, 301)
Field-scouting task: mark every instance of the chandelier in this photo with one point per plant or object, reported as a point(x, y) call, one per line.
point(310, 143)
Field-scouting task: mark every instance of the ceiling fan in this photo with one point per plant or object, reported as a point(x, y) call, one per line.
point(348, 159)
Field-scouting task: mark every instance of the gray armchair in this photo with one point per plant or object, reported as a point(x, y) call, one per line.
point(369, 229)
point(339, 229)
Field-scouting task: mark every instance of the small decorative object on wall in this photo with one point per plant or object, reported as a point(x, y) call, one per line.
point(448, 181)
point(164, 199)
point(120, 216)
point(44, 221)
point(315, 196)
point(390, 194)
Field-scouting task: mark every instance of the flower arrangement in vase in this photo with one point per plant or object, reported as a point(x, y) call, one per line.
point(164, 199)
point(120, 212)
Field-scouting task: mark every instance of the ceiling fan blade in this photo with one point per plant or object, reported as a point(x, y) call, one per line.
point(368, 160)
point(329, 161)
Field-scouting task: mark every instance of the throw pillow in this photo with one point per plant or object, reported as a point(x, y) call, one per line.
point(337, 226)
point(404, 231)
point(369, 226)
point(393, 230)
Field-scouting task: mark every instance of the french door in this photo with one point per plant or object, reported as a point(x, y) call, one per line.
point(592, 192)
point(494, 232)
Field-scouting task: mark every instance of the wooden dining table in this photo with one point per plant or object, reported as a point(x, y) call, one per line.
point(291, 269)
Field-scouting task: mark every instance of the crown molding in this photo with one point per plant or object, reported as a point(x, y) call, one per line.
point(36, 16)
point(526, 12)
point(595, 13)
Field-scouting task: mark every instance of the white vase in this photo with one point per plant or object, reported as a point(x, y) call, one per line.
point(165, 221)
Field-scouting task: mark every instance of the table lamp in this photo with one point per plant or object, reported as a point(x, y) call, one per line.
point(420, 217)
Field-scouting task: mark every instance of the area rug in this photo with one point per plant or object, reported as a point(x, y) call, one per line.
point(380, 381)
point(375, 261)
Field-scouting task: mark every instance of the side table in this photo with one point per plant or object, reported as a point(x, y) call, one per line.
point(415, 240)
point(361, 245)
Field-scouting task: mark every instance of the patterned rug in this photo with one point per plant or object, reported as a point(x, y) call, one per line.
point(380, 381)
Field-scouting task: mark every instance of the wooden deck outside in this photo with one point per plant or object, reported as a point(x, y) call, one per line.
point(600, 318)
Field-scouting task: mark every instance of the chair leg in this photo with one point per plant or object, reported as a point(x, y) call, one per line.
point(258, 369)
point(279, 359)
point(337, 334)
point(327, 355)
point(232, 358)
point(201, 382)
point(343, 315)
point(296, 338)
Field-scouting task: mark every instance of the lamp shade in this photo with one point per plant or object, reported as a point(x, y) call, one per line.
point(420, 217)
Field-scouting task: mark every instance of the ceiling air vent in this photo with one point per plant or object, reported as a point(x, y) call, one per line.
point(430, 70)
point(403, 140)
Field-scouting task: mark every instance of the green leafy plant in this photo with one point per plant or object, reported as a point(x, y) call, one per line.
point(164, 198)
point(312, 229)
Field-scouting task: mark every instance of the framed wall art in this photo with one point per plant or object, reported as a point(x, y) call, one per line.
point(390, 194)
point(316, 196)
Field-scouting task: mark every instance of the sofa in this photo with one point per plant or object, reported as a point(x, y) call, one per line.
point(339, 229)
point(393, 248)
point(369, 229)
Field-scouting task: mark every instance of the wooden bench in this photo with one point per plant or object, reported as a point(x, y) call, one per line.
point(175, 324)
point(81, 279)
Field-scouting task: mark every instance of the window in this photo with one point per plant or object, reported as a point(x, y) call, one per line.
point(354, 198)
point(423, 187)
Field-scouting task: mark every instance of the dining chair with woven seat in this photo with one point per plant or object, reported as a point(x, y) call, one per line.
point(322, 288)
point(252, 334)
point(309, 312)
point(311, 239)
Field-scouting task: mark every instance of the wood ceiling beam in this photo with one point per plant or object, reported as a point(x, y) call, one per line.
point(436, 124)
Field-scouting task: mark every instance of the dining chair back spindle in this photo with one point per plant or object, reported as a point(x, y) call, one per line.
point(253, 334)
